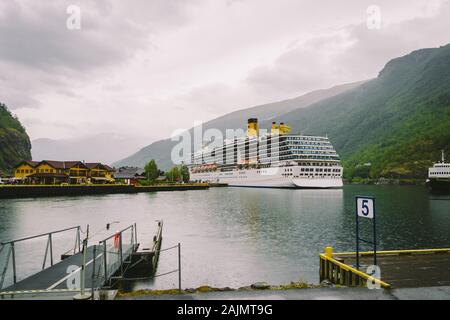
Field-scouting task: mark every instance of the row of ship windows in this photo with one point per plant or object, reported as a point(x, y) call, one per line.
point(269, 153)
point(288, 175)
point(294, 143)
point(437, 173)
point(320, 170)
point(305, 139)
point(311, 148)
point(316, 164)
point(265, 159)
point(254, 154)
point(265, 151)
point(254, 148)
point(266, 146)
point(310, 157)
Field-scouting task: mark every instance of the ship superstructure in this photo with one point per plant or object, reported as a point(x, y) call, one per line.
point(439, 176)
point(273, 159)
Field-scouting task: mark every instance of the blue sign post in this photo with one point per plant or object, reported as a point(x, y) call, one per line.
point(365, 207)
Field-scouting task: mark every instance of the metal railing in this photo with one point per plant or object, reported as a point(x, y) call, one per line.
point(178, 270)
point(11, 254)
point(109, 259)
point(334, 270)
point(155, 249)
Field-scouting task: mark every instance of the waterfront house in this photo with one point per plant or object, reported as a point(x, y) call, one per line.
point(58, 172)
point(24, 169)
point(100, 173)
point(130, 175)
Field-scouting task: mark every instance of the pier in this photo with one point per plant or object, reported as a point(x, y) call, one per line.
point(399, 268)
point(37, 191)
point(86, 269)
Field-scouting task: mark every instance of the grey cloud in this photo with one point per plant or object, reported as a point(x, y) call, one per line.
point(15, 99)
point(36, 35)
point(39, 54)
point(68, 93)
point(303, 68)
point(355, 53)
point(371, 49)
point(112, 63)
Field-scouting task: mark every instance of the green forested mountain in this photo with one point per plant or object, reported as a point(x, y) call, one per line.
point(15, 144)
point(397, 122)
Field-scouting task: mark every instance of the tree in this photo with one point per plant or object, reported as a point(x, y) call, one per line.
point(174, 174)
point(151, 170)
point(185, 173)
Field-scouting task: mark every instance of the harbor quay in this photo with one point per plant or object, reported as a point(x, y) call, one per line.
point(32, 191)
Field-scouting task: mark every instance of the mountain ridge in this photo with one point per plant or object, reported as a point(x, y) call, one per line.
point(84, 148)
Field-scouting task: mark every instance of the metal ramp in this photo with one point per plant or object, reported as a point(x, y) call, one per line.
point(87, 269)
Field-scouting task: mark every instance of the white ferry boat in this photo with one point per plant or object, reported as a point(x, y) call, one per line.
point(276, 159)
point(439, 176)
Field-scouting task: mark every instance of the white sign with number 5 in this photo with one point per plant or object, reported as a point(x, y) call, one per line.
point(365, 207)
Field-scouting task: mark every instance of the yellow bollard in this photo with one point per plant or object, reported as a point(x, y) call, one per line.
point(329, 252)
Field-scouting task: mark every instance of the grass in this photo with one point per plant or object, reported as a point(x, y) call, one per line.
point(206, 289)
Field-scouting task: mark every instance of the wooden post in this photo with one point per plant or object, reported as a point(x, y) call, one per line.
point(179, 267)
point(320, 269)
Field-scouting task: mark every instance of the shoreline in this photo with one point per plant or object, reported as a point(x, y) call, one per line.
point(385, 182)
point(40, 191)
point(309, 292)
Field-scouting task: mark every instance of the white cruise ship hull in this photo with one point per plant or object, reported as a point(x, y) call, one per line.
point(267, 178)
point(318, 183)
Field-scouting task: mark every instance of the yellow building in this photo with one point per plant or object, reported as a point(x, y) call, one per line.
point(100, 173)
point(57, 172)
point(24, 169)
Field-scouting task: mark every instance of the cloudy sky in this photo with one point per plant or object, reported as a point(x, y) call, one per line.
point(145, 68)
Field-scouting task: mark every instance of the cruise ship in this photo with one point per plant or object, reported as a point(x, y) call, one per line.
point(275, 159)
point(439, 177)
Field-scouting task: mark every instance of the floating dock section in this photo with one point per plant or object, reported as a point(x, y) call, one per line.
point(145, 261)
point(398, 268)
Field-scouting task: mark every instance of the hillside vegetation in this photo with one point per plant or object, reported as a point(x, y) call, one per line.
point(393, 126)
point(15, 144)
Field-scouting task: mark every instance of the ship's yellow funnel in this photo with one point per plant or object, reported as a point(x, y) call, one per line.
point(284, 129)
point(274, 129)
point(252, 127)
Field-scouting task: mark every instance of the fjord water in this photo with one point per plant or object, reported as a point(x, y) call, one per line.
point(234, 236)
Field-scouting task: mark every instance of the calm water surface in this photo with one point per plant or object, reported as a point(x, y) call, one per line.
point(234, 236)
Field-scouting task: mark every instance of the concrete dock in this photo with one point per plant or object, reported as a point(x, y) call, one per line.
point(398, 268)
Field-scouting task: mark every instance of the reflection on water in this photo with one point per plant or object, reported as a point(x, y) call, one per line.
point(236, 236)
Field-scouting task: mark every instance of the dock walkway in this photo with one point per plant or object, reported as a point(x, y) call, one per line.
point(65, 275)
point(398, 268)
point(57, 276)
point(99, 267)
